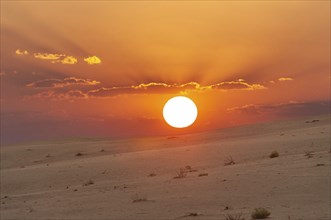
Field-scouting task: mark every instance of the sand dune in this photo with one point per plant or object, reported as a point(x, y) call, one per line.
point(134, 178)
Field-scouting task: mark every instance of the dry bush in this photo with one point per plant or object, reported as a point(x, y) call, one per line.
point(121, 187)
point(139, 198)
point(203, 174)
point(235, 217)
point(79, 154)
point(309, 154)
point(90, 182)
point(229, 161)
point(192, 214)
point(320, 164)
point(274, 154)
point(189, 169)
point(182, 173)
point(260, 213)
point(152, 174)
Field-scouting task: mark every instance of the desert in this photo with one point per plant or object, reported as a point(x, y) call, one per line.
point(209, 175)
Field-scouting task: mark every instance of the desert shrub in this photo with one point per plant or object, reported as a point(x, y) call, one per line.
point(192, 214)
point(274, 154)
point(182, 173)
point(229, 161)
point(188, 167)
point(309, 154)
point(260, 213)
point(78, 154)
point(139, 198)
point(320, 164)
point(234, 217)
point(90, 182)
point(152, 174)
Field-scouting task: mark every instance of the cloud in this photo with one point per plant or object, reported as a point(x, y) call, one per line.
point(58, 83)
point(159, 88)
point(291, 108)
point(57, 95)
point(237, 85)
point(68, 60)
point(59, 58)
point(61, 88)
point(55, 58)
point(107, 92)
point(285, 79)
point(92, 60)
point(155, 87)
point(48, 56)
point(21, 52)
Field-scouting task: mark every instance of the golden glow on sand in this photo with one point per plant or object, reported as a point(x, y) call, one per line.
point(180, 112)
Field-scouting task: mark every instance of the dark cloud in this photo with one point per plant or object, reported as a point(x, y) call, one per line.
point(290, 109)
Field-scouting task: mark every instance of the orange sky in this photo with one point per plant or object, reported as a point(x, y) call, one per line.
point(106, 68)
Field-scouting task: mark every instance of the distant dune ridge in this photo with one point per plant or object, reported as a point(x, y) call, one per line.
point(283, 167)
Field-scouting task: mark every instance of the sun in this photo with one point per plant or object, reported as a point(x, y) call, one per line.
point(180, 112)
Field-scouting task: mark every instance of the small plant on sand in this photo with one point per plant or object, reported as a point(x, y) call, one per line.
point(90, 182)
point(260, 213)
point(182, 173)
point(234, 217)
point(79, 154)
point(309, 154)
point(320, 164)
point(274, 154)
point(139, 198)
point(190, 214)
point(229, 161)
point(189, 169)
point(152, 174)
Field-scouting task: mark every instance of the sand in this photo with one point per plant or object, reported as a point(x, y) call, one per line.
point(134, 178)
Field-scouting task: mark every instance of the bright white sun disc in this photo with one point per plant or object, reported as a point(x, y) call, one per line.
point(180, 112)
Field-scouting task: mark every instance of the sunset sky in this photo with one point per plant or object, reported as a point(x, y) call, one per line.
point(106, 68)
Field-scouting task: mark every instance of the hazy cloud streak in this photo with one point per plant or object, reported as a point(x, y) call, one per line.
point(285, 79)
point(291, 108)
point(57, 83)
